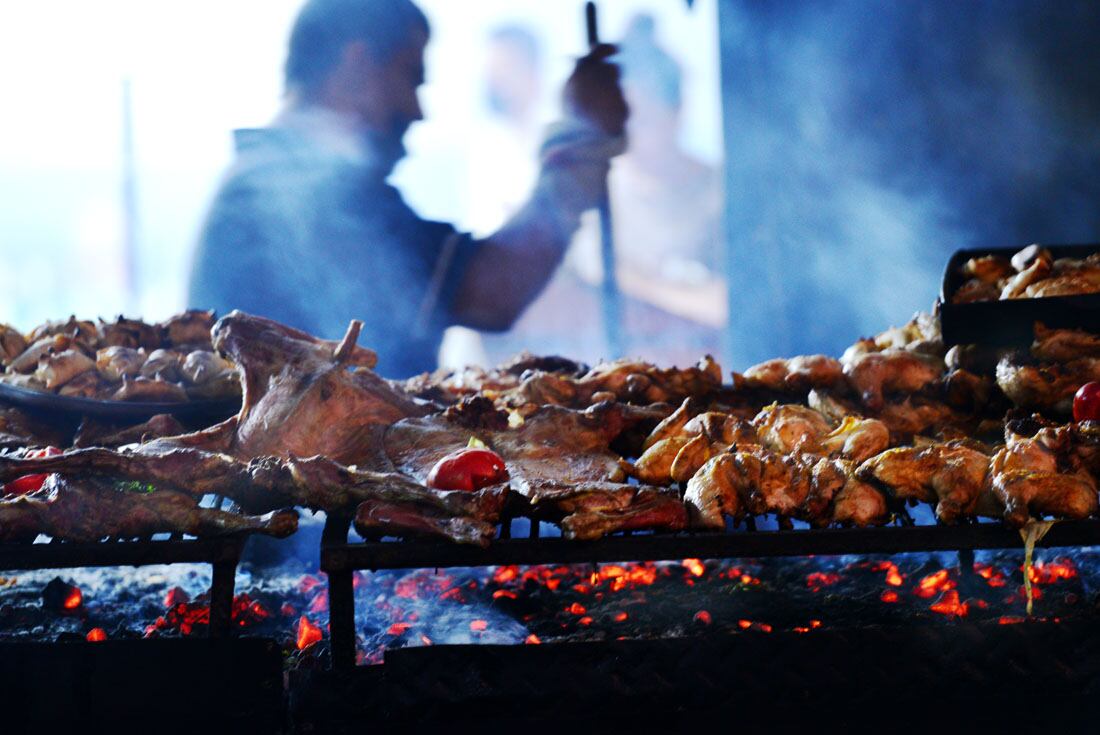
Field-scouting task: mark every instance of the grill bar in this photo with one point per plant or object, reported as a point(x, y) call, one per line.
point(222, 554)
point(339, 558)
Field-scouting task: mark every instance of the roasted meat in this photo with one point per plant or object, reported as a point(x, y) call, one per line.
point(94, 509)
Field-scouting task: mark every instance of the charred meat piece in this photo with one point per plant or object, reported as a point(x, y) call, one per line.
point(12, 344)
point(650, 508)
point(797, 374)
point(1048, 386)
point(189, 329)
point(162, 365)
point(85, 334)
point(380, 518)
point(151, 391)
point(90, 510)
point(116, 363)
point(55, 370)
point(132, 333)
point(872, 375)
point(954, 478)
point(28, 361)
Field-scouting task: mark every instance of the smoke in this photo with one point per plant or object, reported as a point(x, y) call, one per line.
point(868, 141)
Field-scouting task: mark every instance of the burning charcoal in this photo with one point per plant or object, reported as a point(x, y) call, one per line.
point(61, 597)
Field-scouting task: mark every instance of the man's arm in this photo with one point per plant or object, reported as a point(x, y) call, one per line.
point(511, 267)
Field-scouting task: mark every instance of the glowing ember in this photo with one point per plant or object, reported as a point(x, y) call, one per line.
point(889, 596)
point(478, 626)
point(576, 609)
point(816, 580)
point(532, 640)
point(1010, 620)
point(503, 575)
point(702, 617)
point(744, 624)
point(175, 596)
point(934, 584)
point(992, 575)
point(398, 628)
point(95, 635)
point(695, 566)
point(73, 600)
point(308, 633)
point(949, 604)
point(619, 617)
point(585, 621)
point(425, 640)
point(1050, 572)
point(505, 593)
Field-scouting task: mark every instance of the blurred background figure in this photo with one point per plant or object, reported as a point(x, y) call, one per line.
point(306, 229)
point(667, 210)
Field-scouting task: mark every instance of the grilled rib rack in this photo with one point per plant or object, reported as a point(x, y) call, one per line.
point(340, 558)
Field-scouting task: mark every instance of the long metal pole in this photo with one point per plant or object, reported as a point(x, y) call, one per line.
point(609, 288)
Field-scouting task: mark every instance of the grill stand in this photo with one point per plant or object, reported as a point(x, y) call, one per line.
point(222, 554)
point(340, 559)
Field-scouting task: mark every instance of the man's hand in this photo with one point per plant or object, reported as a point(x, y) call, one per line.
point(593, 94)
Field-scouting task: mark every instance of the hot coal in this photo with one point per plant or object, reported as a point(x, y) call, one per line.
point(542, 604)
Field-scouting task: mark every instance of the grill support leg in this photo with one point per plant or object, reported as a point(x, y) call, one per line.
point(221, 598)
point(341, 618)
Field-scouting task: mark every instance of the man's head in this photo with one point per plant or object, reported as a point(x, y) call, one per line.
point(364, 58)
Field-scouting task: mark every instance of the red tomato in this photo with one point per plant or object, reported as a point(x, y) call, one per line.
point(1086, 403)
point(467, 469)
point(31, 483)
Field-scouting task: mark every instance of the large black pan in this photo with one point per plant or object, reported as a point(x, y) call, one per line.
point(1011, 322)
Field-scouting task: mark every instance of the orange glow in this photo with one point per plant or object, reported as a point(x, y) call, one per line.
point(505, 574)
point(308, 633)
point(815, 623)
point(934, 583)
point(619, 617)
point(764, 627)
point(888, 596)
point(816, 580)
point(993, 576)
point(1050, 572)
point(576, 609)
point(695, 566)
point(585, 621)
point(1010, 620)
point(801, 630)
point(748, 579)
point(505, 593)
point(744, 624)
point(702, 617)
point(532, 640)
point(949, 604)
point(398, 628)
point(73, 600)
point(478, 626)
point(894, 577)
point(95, 635)
point(425, 640)
point(175, 596)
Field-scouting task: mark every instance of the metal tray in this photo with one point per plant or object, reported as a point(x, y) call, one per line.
point(1011, 323)
point(55, 405)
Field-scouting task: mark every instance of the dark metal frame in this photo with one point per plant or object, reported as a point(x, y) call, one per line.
point(340, 559)
point(221, 554)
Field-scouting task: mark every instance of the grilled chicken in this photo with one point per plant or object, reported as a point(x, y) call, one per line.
point(954, 478)
point(873, 374)
point(796, 374)
point(1047, 386)
point(12, 344)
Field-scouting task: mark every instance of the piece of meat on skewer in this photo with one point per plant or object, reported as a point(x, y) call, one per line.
point(954, 478)
point(650, 508)
point(91, 509)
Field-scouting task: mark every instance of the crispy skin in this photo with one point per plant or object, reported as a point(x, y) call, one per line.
point(90, 510)
point(1064, 345)
point(952, 477)
point(1046, 386)
point(1026, 494)
point(130, 333)
point(712, 493)
point(651, 508)
point(893, 370)
point(856, 439)
point(796, 374)
point(785, 428)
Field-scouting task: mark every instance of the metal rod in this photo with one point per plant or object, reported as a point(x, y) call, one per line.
point(222, 584)
point(609, 289)
point(661, 547)
point(341, 618)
